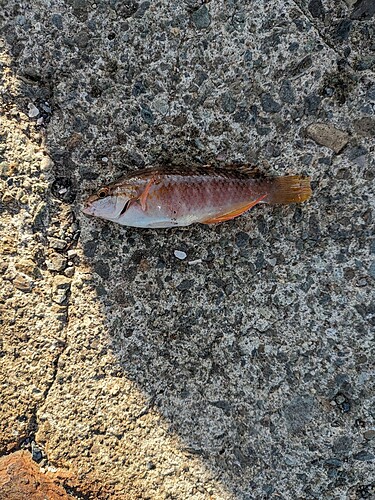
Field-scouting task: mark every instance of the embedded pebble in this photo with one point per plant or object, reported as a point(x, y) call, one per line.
point(56, 243)
point(69, 271)
point(27, 266)
point(60, 281)
point(23, 283)
point(60, 289)
point(194, 262)
point(180, 255)
point(33, 111)
point(328, 135)
point(201, 18)
point(56, 263)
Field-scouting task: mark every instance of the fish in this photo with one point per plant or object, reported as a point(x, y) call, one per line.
point(160, 197)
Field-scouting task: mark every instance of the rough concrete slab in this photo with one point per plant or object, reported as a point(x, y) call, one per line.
point(244, 370)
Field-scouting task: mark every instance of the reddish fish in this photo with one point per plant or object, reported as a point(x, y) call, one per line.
point(159, 197)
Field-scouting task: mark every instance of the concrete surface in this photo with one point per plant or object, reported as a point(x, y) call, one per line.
point(21, 478)
point(246, 370)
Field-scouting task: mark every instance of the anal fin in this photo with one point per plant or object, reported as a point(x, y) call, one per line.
point(234, 213)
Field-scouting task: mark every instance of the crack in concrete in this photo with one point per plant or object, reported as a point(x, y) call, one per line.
point(55, 368)
point(317, 29)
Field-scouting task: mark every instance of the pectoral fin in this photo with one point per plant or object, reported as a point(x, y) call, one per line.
point(143, 197)
point(234, 213)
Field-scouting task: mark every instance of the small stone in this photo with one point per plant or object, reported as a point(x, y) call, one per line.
point(364, 456)
point(69, 271)
point(36, 452)
point(180, 255)
point(242, 239)
point(365, 126)
point(356, 152)
point(161, 106)
point(312, 103)
point(228, 104)
point(28, 266)
point(201, 18)
point(328, 135)
point(269, 105)
point(286, 92)
point(4, 169)
point(60, 297)
point(57, 21)
point(56, 263)
point(299, 412)
point(307, 159)
point(343, 29)
point(142, 9)
point(61, 282)
point(316, 8)
point(46, 164)
point(147, 115)
point(367, 62)
point(102, 269)
point(371, 93)
point(40, 216)
point(56, 243)
point(363, 10)
point(370, 434)
point(82, 39)
point(185, 285)
point(23, 283)
point(350, 3)
point(33, 110)
point(241, 116)
point(7, 198)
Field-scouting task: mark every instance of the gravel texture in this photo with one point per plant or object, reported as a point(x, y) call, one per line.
point(245, 369)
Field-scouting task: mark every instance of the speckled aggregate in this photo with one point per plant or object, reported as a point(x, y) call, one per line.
point(248, 374)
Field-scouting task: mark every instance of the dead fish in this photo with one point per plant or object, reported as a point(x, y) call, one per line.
point(160, 197)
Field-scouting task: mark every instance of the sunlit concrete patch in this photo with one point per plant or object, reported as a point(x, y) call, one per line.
point(32, 323)
point(101, 426)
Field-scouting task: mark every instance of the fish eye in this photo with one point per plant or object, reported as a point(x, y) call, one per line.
point(103, 193)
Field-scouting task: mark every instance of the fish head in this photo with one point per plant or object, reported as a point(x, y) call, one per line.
point(109, 202)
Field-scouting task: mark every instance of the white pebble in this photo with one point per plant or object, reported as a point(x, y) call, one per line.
point(193, 262)
point(180, 255)
point(33, 110)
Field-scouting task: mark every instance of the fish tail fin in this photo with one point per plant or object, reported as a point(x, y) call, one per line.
point(289, 189)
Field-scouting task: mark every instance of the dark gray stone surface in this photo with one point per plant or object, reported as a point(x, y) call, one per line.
point(246, 369)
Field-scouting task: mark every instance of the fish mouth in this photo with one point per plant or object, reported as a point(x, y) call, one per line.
point(88, 209)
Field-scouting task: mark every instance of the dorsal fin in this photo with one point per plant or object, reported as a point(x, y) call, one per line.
point(250, 170)
point(227, 171)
